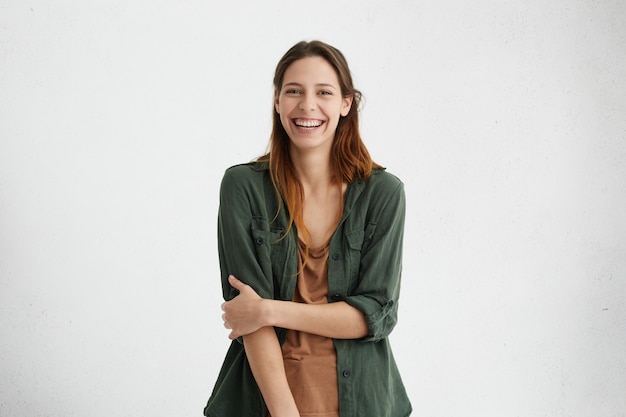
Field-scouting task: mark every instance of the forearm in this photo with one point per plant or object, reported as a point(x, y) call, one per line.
point(335, 320)
point(266, 361)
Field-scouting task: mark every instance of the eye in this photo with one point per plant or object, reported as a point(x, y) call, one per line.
point(293, 91)
point(325, 93)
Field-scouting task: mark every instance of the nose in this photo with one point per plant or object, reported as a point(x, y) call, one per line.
point(308, 102)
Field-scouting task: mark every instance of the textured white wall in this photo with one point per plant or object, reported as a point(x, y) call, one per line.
point(506, 120)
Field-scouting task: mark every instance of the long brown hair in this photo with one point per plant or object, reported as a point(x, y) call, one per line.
point(349, 158)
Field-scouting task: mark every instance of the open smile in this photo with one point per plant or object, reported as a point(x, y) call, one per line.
point(307, 125)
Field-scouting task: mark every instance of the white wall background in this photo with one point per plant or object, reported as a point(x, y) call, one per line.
point(505, 119)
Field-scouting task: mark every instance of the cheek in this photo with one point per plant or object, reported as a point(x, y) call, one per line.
point(285, 120)
point(337, 112)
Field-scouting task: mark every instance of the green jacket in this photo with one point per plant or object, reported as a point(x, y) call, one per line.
point(364, 270)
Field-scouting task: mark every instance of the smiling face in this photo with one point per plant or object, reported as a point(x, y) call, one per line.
point(310, 103)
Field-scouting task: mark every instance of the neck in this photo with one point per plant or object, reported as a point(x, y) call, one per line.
point(312, 168)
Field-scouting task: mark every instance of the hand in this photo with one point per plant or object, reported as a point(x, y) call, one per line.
point(244, 313)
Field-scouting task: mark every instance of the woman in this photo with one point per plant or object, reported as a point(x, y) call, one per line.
point(310, 248)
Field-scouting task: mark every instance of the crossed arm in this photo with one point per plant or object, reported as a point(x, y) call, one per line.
point(247, 313)
point(253, 317)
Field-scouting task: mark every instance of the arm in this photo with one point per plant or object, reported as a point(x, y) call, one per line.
point(238, 255)
point(380, 266)
point(336, 320)
point(266, 362)
point(248, 312)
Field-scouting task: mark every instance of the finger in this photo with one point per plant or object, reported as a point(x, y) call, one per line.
point(235, 282)
point(226, 325)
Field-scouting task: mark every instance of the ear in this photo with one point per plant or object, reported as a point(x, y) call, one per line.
point(346, 105)
point(276, 96)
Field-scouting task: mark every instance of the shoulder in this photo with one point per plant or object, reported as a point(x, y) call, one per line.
point(383, 184)
point(246, 170)
point(383, 176)
point(381, 193)
point(246, 173)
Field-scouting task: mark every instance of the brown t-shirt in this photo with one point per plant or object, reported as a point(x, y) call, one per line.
point(311, 360)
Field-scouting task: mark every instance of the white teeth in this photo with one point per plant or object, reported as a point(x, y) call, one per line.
point(308, 123)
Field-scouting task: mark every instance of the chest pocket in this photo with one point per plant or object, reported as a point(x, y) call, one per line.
point(358, 242)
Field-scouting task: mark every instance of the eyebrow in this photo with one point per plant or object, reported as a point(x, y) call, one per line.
point(317, 85)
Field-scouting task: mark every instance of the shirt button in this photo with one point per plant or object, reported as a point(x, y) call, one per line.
point(336, 297)
point(335, 256)
point(346, 373)
point(259, 240)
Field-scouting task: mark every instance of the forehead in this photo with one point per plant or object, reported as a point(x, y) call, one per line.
point(311, 70)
